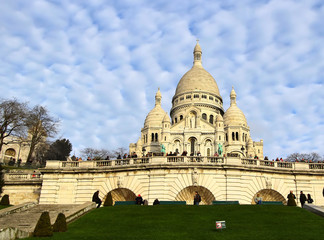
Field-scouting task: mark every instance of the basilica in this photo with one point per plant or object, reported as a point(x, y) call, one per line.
point(197, 124)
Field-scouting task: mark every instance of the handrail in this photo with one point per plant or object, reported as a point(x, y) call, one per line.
point(194, 160)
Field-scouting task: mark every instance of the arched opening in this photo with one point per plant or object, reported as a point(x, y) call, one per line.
point(10, 152)
point(192, 141)
point(177, 146)
point(152, 137)
point(211, 119)
point(204, 116)
point(237, 136)
point(121, 194)
point(208, 152)
point(269, 195)
point(233, 136)
point(187, 194)
point(156, 137)
point(181, 117)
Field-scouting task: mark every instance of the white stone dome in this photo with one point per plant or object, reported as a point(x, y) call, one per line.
point(197, 78)
point(156, 115)
point(166, 118)
point(234, 116)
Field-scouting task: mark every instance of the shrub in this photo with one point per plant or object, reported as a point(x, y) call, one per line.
point(5, 200)
point(43, 227)
point(108, 200)
point(60, 223)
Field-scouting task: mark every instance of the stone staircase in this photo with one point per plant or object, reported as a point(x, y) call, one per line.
point(23, 221)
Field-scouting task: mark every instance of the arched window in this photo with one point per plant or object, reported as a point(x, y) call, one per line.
point(181, 117)
point(152, 137)
point(164, 138)
point(233, 136)
point(243, 137)
point(204, 116)
point(237, 136)
point(226, 137)
point(175, 120)
point(220, 138)
point(156, 137)
point(211, 119)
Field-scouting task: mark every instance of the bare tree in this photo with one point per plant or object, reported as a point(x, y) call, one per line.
point(12, 119)
point(40, 127)
point(120, 151)
point(314, 157)
point(96, 154)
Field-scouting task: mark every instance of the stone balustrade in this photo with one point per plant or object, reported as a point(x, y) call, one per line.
point(194, 160)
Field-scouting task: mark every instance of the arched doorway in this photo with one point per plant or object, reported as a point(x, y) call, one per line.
point(121, 194)
point(269, 195)
point(192, 142)
point(187, 194)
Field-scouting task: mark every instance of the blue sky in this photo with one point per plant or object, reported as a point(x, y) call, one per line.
point(97, 64)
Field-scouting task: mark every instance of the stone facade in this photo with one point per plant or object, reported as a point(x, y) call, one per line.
point(198, 123)
point(176, 179)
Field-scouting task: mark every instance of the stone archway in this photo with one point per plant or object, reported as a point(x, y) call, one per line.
point(187, 194)
point(121, 194)
point(269, 195)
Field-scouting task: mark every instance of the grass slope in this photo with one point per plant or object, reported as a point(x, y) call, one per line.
point(196, 222)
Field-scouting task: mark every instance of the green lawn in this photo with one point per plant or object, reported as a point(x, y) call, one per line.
point(196, 222)
point(1, 206)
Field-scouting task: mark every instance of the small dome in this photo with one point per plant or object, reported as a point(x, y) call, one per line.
point(234, 116)
point(219, 118)
point(166, 118)
point(156, 115)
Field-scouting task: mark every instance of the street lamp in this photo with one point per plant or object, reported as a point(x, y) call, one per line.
point(143, 150)
point(242, 149)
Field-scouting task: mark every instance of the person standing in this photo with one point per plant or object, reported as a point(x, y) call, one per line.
point(291, 199)
point(139, 200)
point(96, 199)
point(302, 198)
point(197, 198)
point(309, 198)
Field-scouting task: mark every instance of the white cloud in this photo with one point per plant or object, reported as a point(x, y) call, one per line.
point(97, 64)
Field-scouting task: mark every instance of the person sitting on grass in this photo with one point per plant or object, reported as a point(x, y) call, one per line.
point(139, 200)
point(258, 199)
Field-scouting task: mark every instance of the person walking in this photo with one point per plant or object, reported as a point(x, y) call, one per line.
point(197, 198)
point(96, 199)
point(302, 198)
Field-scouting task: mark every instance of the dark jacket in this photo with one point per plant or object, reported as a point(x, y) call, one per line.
point(95, 197)
point(197, 198)
point(302, 198)
point(139, 200)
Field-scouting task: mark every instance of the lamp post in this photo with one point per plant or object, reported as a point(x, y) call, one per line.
point(143, 150)
point(242, 149)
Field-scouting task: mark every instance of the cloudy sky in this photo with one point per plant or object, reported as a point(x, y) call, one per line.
point(96, 65)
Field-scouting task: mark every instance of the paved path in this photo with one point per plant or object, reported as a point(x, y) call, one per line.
point(319, 210)
point(27, 220)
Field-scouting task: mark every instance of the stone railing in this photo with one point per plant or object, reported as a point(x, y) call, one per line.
point(194, 160)
point(22, 176)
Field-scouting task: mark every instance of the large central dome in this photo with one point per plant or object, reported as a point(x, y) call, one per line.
point(197, 78)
